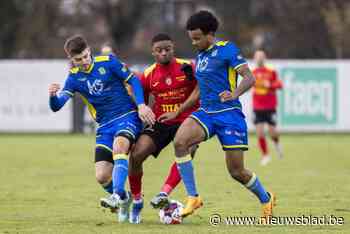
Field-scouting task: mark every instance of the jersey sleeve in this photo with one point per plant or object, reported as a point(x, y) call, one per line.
point(68, 87)
point(145, 85)
point(193, 65)
point(58, 101)
point(276, 82)
point(233, 56)
point(119, 69)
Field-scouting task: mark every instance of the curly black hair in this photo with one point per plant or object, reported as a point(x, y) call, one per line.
point(203, 20)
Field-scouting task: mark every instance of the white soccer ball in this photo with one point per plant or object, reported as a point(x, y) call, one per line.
point(171, 213)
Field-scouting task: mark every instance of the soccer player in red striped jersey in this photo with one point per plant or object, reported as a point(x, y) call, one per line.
point(174, 89)
point(265, 104)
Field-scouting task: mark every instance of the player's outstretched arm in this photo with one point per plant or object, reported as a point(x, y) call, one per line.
point(145, 113)
point(190, 102)
point(246, 83)
point(56, 102)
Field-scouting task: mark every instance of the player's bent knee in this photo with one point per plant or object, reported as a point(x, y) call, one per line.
point(103, 164)
point(103, 177)
point(180, 143)
point(240, 175)
point(237, 174)
point(122, 143)
point(181, 148)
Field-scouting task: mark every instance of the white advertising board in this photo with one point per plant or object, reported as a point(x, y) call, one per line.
point(24, 96)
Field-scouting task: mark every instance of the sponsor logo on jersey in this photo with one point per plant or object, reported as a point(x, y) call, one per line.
point(96, 88)
point(202, 64)
point(170, 107)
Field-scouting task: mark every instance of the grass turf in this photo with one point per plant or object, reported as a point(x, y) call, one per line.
point(47, 185)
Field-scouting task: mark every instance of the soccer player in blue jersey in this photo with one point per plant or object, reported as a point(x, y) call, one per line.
point(100, 81)
point(218, 64)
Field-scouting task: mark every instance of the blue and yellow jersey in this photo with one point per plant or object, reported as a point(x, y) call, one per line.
point(215, 73)
point(102, 88)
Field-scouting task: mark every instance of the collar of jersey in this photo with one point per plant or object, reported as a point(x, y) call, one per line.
point(207, 50)
point(91, 66)
point(212, 45)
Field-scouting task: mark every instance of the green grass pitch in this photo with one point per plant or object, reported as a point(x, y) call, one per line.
point(47, 185)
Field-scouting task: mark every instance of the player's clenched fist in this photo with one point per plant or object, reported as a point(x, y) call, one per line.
point(53, 89)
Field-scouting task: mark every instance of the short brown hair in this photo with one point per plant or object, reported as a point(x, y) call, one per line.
point(75, 45)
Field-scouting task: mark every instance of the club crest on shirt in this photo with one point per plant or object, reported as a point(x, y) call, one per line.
point(102, 70)
point(168, 80)
point(214, 53)
point(124, 68)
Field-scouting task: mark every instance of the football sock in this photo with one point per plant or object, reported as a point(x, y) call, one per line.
point(172, 180)
point(120, 174)
point(108, 187)
point(263, 145)
point(185, 168)
point(135, 182)
point(256, 187)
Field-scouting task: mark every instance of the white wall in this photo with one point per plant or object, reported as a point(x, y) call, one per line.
point(24, 96)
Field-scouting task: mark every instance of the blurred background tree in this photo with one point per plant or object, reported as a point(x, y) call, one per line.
point(286, 29)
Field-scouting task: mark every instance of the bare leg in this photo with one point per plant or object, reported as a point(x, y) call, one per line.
point(235, 166)
point(143, 149)
point(189, 134)
point(276, 140)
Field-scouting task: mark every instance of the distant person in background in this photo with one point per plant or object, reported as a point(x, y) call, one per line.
point(265, 104)
point(107, 49)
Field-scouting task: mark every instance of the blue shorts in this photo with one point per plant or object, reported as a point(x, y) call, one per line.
point(129, 124)
point(229, 126)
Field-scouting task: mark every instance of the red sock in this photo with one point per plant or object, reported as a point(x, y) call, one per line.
point(172, 181)
point(263, 145)
point(135, 182)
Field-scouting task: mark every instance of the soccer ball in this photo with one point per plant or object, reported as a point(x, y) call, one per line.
point(171, 213)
